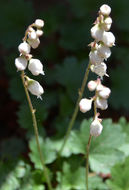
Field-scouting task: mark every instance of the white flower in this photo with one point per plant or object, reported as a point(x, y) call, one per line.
point(107, 23)
point(95, 58)
point(32, 35)
point(104, 51)
point(99, 69)
point(36, 67)
point(24, 48)
point(108, 39)
point(39, 33)
point(105, 9)
point(101, 103)
point(34, 43)
point(99, 87)
point(35, 88)
point(39, 23)
point(85, 105)
point(97, 33)
point(96, 128)
point(92, 85)
point(104, 92)
point(21, 63)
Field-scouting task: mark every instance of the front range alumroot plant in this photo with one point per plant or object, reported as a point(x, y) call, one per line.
point(100, 52)
point(31, 40)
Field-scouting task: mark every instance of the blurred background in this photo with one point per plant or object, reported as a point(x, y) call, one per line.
point(64, 53)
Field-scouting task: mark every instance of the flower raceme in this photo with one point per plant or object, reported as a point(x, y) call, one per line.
point(31, 40)
point(103, 41)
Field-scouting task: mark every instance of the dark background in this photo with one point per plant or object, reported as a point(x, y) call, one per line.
point(64, 53)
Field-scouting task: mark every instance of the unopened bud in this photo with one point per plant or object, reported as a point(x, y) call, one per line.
point(105, 9)
point(92, 85)
point(32, 35)
point(24, 48)
point(85, 105)
point(39, 33)
point(39, 23)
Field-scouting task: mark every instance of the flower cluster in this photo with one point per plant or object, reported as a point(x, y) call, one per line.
point(100, 51)
point(31, 40)
point(103, 40)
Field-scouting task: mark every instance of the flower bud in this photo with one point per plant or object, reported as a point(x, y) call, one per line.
point(105, 10)
point(34, 43)
point(35, 88)
point(101, 103)
point(95, 58)
point(99, 69)
point(85, 105)
point(108, 39)
point(36, 67)
point(21, 63)
point(39, 23)
point(107, 23)
point(97, 33)
point(99, 87)
point(104, 51)
point(32, 35)
point(104, 93)
point(39, 33)
point(92, 85)
point(96, 128)
point(24, 48)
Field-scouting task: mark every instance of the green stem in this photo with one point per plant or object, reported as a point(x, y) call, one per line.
point(36, 132)
point(71, 123)
point(88, 145)
point(87, 160)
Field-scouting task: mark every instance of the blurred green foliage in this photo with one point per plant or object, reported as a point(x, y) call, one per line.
point(64, 54)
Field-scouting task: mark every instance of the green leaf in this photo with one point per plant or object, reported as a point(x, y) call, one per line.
point(48, 154)
point(104, 150)
point(74, 178)
point(120, 176)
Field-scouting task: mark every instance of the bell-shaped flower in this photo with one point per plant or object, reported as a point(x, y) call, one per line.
point(104, 51)
point(85, 105)
point(104, 92)
point(101, 103)
point(21, 63)
point(34, 87)
point(24, 48)
point(36, 67)
point(96, 127)
point(97, 32)
point(108, 39)
point(95, 58)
